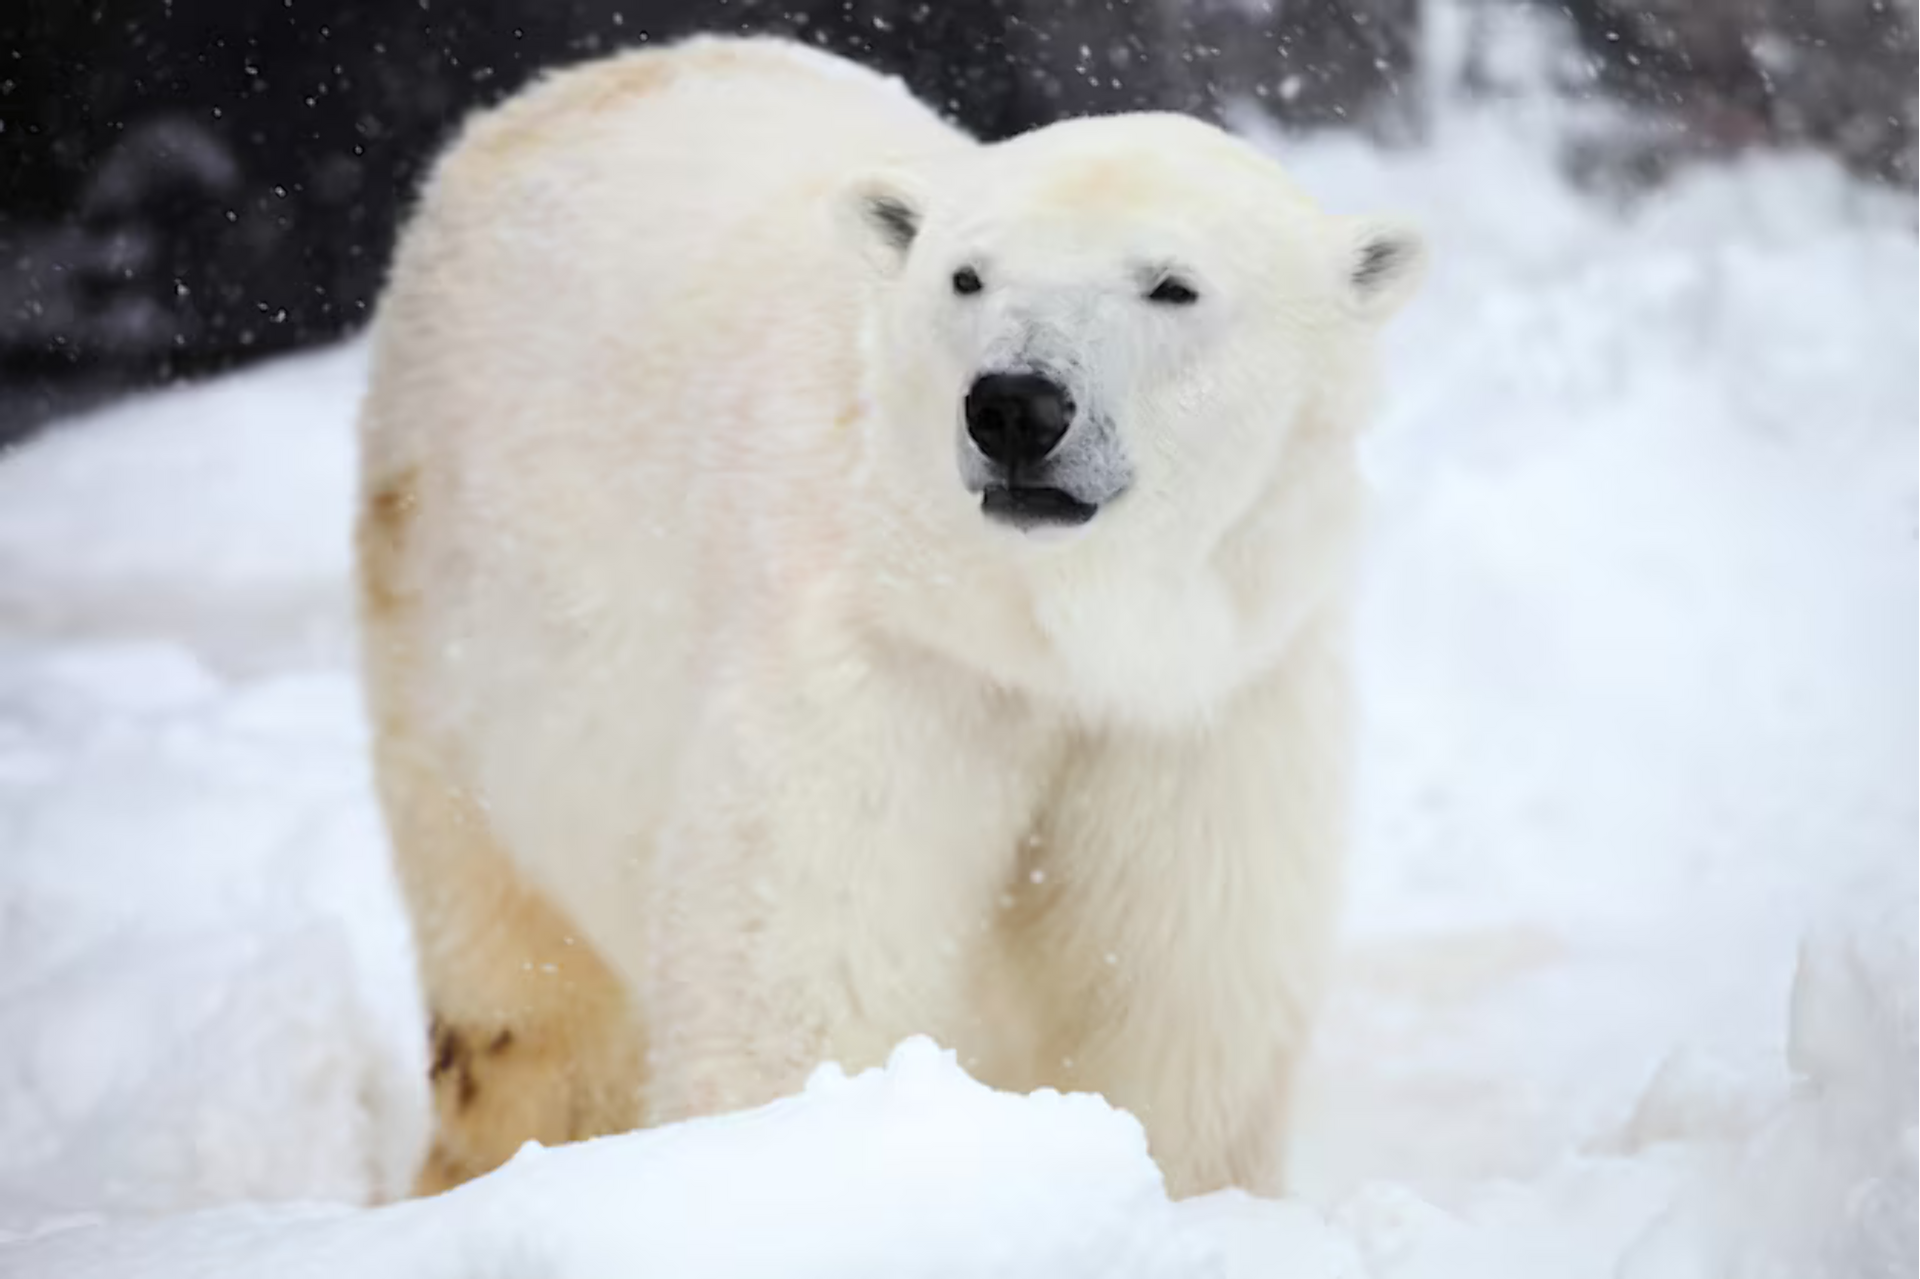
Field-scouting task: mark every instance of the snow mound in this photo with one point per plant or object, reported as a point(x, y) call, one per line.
point(205, 977)
point(172, 515)
point(914, 1170)
point(917, 1170)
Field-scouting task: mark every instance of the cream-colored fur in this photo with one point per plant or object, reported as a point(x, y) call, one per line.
point(718, 731)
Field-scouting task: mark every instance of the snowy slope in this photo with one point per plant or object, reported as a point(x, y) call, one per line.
point(1629, 986)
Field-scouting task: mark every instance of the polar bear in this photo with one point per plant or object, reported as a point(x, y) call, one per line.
point(825, 579)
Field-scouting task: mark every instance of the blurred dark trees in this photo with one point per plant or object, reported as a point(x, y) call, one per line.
point(1834, 74)
point(187, 184)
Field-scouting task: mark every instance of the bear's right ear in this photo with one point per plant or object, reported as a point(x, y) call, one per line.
point(1386, 260)
point(881, 214)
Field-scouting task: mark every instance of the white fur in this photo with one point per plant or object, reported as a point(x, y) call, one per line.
point(696, 610)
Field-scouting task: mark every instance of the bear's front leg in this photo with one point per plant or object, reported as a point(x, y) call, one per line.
point(830, 874)
point(1179, 928)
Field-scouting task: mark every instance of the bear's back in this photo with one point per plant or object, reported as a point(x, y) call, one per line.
point(620, 221)
point(612, 374)
point(623, 307)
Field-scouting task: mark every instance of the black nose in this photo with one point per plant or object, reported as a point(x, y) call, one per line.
point(1017, 418)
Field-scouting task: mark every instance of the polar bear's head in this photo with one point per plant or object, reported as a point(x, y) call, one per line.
point(1093, 352)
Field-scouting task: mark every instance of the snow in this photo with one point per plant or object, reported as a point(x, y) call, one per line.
point(900, 1144)
point(1629, 980)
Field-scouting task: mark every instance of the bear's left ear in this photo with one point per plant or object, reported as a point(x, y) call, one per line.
point(880, 213)
point(1386, 261)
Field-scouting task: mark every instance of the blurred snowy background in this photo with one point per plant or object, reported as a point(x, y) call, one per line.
point(189, 185)
point(1629, 985)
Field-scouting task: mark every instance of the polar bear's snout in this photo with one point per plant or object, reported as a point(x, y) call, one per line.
point(1032, 456)
point(1016, 419)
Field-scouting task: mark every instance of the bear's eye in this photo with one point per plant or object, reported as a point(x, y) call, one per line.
point(966, 281)
point(1173, 291)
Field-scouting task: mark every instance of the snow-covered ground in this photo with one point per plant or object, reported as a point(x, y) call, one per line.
point(1629, 987)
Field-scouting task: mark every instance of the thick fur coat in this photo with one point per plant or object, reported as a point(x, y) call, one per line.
point(740, 705)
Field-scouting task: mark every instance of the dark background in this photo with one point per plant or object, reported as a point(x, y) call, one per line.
point(186, 185)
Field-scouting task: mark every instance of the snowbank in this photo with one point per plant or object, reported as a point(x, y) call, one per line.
point(209, 515)
point(919, 1171)
point(914, 1170)
point(1630, 980)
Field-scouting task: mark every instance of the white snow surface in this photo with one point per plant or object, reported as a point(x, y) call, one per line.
point(1629, 980)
